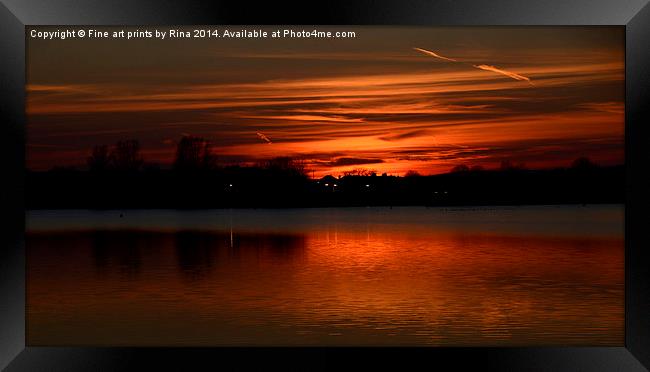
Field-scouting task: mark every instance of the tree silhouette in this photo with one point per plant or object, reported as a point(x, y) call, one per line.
point(507, 165)
point(194, 154)
point(583, 163)
point(412, 173)
point(286, 165)
point(100, 159)
point(126, 156)
point(359, 172)
point(460, 168)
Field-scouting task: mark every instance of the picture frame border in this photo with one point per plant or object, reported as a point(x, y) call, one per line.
point(17, 15)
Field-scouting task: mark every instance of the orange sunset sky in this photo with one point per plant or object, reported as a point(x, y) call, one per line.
point(371, 102)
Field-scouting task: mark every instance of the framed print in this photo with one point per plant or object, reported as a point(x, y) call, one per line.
point(190, 184)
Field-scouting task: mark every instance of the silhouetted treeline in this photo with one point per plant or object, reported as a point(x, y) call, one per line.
point(278, 187)
point(118, 177)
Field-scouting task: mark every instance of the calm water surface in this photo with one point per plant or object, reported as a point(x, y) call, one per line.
point(549, 275)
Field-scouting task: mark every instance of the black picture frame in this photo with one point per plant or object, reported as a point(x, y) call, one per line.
point(15, 15)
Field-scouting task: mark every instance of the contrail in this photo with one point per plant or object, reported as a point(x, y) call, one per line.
point(480, 67)
point(433, 54)
point(265, 138)
point(504, 72)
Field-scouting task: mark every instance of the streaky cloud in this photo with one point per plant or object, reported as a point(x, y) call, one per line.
point(405, 135)
point(434, 54)
point(347, 161)
point(504, 72)
point(263, 137)
point(480, 67)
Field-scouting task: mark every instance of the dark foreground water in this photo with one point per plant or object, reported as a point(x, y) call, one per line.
point(358, 276)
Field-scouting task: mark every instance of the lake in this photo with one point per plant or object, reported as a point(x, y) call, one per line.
point(416, 276)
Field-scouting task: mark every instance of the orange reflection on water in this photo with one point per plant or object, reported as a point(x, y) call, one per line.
point(334, 284)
